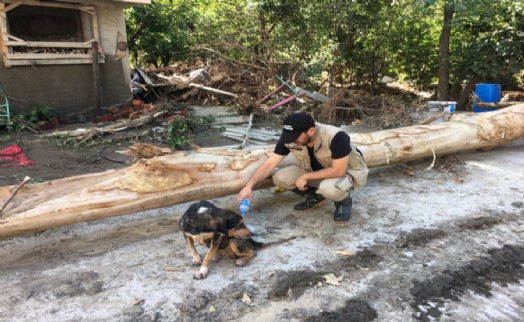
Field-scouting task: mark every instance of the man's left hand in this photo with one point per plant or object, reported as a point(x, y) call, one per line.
point(301, 183)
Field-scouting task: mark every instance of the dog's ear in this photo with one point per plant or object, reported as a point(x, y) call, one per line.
point(233, 219)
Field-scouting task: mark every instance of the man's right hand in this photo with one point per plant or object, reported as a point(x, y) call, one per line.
point(260, 174)
point(246, 192)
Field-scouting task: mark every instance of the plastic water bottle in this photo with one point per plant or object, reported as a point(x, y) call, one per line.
point(244, 206)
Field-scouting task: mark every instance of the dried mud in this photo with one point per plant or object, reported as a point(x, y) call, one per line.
point(502, 266)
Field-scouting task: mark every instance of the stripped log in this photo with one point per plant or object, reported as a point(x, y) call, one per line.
point(185, 176)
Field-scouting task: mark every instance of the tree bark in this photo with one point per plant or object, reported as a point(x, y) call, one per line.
point(461, 102)
point(443, 55)
point(182, 177)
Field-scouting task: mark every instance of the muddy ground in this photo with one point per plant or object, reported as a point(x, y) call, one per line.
point(55, 159)
point(443, 244)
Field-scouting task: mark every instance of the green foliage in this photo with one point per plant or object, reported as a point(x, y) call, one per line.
point(17, 121)
point(40, 113)
point(488, 39)
point(37, 113)
point(178, 134)
point(199, 123)
point(413, 45)
point(181, 129)
point(366, 39)
point(17, 177)
point(161, 32)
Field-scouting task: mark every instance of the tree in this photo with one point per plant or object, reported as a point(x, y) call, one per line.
point(161, 32)
point(443, 55)
point(411, 43)
point(487, 43)
point(185, 176)
point(357, 41)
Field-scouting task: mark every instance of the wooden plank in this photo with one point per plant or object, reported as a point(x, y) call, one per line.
point(214, 90)
point(97, 90)
point(227, 133)
point(230, 120)
point(242, 129)
point(253, 134)
point(12, 6)
point(16, 38)
point(25, 62)
point(50, 4)
point(50, 44)
point(25, 56)
point(145, 77)
point(3, 36)
point(88, 10)
point(241, 139)
point(94, 25)
point(314, 95)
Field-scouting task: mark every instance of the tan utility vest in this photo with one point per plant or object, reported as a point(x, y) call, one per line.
point(357, 168)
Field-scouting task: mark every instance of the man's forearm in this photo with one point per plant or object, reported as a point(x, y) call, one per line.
point(259, 175)
point(264, 170)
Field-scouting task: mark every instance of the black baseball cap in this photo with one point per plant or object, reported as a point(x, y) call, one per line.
point(294, 125)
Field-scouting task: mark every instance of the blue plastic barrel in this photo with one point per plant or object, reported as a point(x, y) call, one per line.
point(487, 93)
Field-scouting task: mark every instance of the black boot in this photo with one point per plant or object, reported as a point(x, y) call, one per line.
point(343, 209)
point(313, 199)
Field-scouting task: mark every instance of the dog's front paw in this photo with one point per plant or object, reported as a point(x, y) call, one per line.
point(201, 274)
point(196, 261)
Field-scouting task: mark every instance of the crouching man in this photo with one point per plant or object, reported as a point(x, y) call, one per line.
point(328, 165)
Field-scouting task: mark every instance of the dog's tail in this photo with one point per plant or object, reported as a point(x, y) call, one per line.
point(259, 245)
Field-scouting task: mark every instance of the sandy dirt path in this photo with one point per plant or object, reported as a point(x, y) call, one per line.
point(442, 244)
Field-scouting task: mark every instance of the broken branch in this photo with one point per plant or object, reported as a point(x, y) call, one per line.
point(13, 194)
point(214, 90)
point(246, 135)
point(431, 119)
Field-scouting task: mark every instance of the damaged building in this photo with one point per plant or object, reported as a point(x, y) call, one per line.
point(69, 55)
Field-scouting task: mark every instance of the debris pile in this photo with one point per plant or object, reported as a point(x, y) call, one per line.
point(248, 90)
point(164, 96)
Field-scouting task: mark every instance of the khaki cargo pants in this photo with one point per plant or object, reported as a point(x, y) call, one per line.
point(335, 189)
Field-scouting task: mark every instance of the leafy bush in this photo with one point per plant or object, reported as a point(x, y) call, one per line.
point(40, 113)
point(178, 134)
point(181, 130)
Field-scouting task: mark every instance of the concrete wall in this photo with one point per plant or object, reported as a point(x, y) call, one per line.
point(69, 88)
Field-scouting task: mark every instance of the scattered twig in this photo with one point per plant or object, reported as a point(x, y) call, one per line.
point(432, 163)
point(83, 135)
point(359, 108)
point(246, 135)
point(29, 127)
point(13, 194)
point(214, 90)
point(432, 118)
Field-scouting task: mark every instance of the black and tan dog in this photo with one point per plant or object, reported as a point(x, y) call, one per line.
point(217, 229)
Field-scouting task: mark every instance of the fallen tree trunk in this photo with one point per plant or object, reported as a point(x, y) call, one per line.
point(181, 177)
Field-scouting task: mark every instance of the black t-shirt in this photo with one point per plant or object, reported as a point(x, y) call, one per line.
point(339, 148)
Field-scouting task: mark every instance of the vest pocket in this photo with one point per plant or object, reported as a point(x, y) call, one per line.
point(355, 161)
